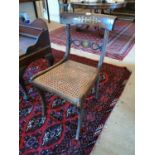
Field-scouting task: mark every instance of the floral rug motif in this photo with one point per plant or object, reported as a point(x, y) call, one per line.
point(121, 39)
point(54, 134)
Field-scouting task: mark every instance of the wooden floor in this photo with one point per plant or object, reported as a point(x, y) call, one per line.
point(118, 135)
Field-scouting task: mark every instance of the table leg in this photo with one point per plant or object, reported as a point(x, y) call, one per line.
point(48, 14)
point(35, 9)
point(73, 9)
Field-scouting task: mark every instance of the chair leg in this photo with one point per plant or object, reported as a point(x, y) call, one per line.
point(43, 99)
point(97, 88)
point(80, 117)
point(50, 59)
point(21, 81)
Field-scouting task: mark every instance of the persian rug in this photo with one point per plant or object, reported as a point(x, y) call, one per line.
point(121, 39)
point(54, 134)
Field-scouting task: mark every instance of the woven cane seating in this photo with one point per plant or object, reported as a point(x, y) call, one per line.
point(71, 80)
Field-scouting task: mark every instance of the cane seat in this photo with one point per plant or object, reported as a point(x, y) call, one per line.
point(71, 80)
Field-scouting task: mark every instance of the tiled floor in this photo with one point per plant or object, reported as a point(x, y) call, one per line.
point(118, 135)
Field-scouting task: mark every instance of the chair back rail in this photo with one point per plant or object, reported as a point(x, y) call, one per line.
point(107, 23)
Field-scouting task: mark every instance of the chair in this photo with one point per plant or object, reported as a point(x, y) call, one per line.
point(72, 80)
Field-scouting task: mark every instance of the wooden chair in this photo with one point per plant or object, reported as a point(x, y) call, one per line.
point(72, 80)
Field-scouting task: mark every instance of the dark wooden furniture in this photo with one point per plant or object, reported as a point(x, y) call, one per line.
point(72, 80)
point(35, 8)
point(97, 6)
point(34, 43)
point(127, 13)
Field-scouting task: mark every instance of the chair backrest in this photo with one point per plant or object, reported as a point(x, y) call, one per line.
point(106, 23)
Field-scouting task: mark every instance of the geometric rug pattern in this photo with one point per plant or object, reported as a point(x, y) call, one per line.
point(54, 134)
point(121, 39)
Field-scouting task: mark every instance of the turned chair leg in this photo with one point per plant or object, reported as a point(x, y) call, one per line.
point(43, 100)
point(80, 117)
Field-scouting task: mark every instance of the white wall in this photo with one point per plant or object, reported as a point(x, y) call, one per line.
point(29, 9)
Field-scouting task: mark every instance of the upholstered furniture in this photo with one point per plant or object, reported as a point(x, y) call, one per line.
point(71, 80)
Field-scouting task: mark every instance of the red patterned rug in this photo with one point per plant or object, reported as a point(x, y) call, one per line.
point(121, 39)
point(55, 133)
